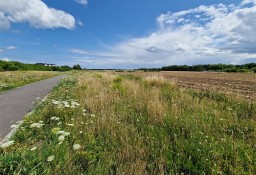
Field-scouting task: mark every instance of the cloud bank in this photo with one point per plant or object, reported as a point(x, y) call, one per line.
point(206, 34)
point(34, 12)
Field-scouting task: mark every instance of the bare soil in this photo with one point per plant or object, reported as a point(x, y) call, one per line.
point(241, 84)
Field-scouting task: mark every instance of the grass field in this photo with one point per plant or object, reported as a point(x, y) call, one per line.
point(11, 80)
point(115, 123)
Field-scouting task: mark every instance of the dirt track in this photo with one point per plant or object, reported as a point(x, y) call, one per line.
point(238, 83)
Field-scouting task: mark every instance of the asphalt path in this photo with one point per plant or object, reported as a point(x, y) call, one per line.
point(15, 104)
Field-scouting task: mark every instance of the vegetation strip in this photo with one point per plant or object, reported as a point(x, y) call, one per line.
point(111, 123)
point(11, 80)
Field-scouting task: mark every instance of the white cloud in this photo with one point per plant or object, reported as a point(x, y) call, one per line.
point(4, 22)
point(5, 59)
point(7, 48)
point(78, 51)
point(206, 34)
point(83, 2)
point(34, 12)
point(10, 48)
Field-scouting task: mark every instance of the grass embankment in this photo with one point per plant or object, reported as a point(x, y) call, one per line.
point(105, 123)
point(11, 80)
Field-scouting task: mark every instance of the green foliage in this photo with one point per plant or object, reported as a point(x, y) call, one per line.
point(212, 67)
point(77, 67)
point(253, 69)
point(15, 66)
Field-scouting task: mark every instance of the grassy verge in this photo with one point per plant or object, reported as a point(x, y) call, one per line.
point(11, 80)
point(106, 123)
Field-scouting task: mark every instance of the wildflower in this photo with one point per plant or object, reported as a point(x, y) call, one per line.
point(36, 125)
point(67, 106)
point(81, 132)
point(50, 158)
point(55, 102)
point(59, 123)
point(55, 130)
point(70, 124)
point(33, 148)
point(53, 118)
point(66, 134)
point(61, 138)
point(76, 146)
point(14, 126)
point(60, 132)
point(7, 144)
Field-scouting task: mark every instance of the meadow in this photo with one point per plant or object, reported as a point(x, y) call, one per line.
point(11, 80)
point(116, 123)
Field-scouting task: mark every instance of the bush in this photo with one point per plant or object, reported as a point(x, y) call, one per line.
point(253, 69)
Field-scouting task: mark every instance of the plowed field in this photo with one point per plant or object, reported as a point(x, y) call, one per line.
point(235, 83)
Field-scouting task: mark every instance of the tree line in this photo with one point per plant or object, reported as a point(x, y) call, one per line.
point(15, 66)
point(249, 67)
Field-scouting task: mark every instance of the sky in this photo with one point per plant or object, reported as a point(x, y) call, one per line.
point(127, 34)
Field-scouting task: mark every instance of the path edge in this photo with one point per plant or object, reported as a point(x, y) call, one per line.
point(19, 123)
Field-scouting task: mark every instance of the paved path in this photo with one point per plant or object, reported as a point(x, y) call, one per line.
point(15, 104)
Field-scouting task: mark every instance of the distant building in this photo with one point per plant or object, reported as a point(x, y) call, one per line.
point(46, 64)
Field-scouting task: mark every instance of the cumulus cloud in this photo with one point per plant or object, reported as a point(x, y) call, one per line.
point(5, 59)
point(4, 22)
point(83, 2)
point(206, 34)
point(34, 12)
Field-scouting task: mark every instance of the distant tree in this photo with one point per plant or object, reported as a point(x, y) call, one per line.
point(77, 67)
point(65, 68)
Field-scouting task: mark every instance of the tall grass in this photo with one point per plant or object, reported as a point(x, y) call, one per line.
point(11, 80)
point(130, 125)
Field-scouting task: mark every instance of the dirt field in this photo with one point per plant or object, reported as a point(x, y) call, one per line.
point(235, 83)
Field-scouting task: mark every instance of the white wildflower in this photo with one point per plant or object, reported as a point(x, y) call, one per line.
point(66, 134)
point(56, 102)
point(60, 132)
point(67, 106)
point(33, 148)
point(50, 158)
point(76, 146)
point(81, 132)
point(61, 138)
point(7, 144)
point(70, 124)
point(36, 125)
point(53, 118)
point(14, 126)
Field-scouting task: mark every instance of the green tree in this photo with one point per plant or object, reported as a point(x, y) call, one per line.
point(77, 67)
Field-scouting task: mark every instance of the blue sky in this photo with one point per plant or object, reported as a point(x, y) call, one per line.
point(128, 33)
